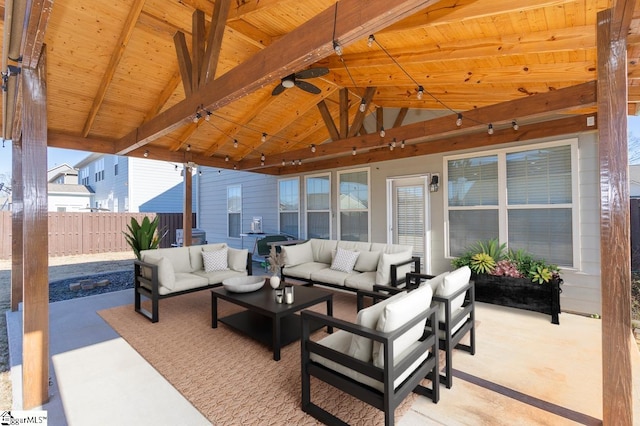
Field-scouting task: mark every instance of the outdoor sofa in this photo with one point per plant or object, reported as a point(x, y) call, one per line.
point(169, 272)
point(348, 265)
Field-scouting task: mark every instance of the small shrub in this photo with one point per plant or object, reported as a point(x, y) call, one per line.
point(635, 296)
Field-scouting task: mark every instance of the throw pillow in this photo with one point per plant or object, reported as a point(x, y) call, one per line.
point(215, 260)
point(383, 273)
point(166, 274)
point(367, 261)
point(297, 254)
point(398, 313)
point(237, 259)
point(345, 260)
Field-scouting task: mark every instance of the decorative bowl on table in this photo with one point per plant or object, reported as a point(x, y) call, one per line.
point(243, 284)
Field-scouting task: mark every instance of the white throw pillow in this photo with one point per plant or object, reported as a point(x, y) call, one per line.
point(166, 274)
point(237, 259)
point(452, 283)
point(297, 254)
point(367, 261)
point(362, 347)
point(398, 313)
point(383, 273)
point(215, 260)
point(345, 260)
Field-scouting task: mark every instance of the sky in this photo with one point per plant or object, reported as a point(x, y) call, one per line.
point(57, 156)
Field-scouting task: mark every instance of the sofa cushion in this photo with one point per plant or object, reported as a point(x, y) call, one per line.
point(304, 270)
point(453, 282)
point(195, 253)
point(367, 261)
point(178, 256)
point(297, 254)
point(237, 259)
point(383, 273)
point(187, 281)
point(361, 281)
point(354, 245)
point(322, 250)
point(216, 277)
point(330, 276)
point(398, 313)
point(215, 260)
point(362, 347)
point(166, 273)
point(344, 260)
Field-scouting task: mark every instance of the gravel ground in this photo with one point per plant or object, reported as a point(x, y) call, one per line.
point(62, 271)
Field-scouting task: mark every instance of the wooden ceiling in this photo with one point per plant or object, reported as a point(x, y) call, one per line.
point(123, 78)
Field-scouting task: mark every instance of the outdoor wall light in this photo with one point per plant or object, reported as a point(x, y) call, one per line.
point(435, 183)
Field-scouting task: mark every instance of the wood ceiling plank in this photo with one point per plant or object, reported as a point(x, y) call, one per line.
point(214, 41)
point(300, 47)
point(116, 56)
point(164, 96)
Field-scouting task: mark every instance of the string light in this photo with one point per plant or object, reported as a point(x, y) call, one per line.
point(146, 153)
point(226, 159)
point(393, 142)
point(353, 151)
point(363, 105)
point(459, 120)
point(197, 117)
point(235, 143)
point(490, 129)
point(188, 148)
point(382, 132)
point(370, 40)
point(313, 148)
point(420, 92)
point(235, 167)
point(299, 162)
point(390, 147)
point(208, 116)
point(262, 157)
point(284, 163)
point(402, 144)
point(263, 139)
point(515, 126)
point(262, 163)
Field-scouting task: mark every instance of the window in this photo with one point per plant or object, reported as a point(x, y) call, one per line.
point(318, 189)
point(289, 206)
point(234, 211)
point(84, 176)
point(99, 175)
point(115, 165)
point(353, 205)
point(522, 197)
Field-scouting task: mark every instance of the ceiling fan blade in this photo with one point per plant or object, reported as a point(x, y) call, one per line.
point(312, 72)
point(308, 87)
point(277, 90)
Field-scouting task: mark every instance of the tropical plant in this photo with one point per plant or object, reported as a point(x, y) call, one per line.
point(142, 236)
point(482, 263)
point(540, 274)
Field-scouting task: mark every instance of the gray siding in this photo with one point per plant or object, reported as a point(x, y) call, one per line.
point(156, 186)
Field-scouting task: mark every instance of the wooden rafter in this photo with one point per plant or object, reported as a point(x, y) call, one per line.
point(359, 118)
point(197, 48)
point(328, 120)
point(184, 62)
point(400, 117)
point(344, 113)
point(214, 41)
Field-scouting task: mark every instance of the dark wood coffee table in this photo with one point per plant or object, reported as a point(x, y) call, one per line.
point(284, 325)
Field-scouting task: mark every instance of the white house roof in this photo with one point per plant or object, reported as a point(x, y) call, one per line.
point(59, 188)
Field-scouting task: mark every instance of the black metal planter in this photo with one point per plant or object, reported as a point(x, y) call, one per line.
point(520, 293)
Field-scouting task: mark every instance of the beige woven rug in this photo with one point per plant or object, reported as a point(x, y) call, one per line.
point(230, 378)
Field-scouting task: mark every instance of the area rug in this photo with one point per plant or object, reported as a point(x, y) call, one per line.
point(230, 378)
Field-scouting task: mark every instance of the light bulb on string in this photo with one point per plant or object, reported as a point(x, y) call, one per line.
point(353, 151)
point(514, 125)
point(390, 147)
point(208, 116)
point(263, 139)
point(337, 48)
point(459, 120)
point(262, 157)
point(284, 163)
point(490, 129)
point(226, 158)
point(235, 143)
point(370, 40)
point(402, 144)
point(382, 132)
point(420, 92)
point(363, 106)
point(313, 148)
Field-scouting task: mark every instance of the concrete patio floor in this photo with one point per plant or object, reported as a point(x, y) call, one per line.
point(526, 371)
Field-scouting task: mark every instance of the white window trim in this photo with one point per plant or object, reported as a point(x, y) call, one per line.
point(300, 192)
point(502, 193)
point(368, 209)
point(306, 204)
point(228, 230)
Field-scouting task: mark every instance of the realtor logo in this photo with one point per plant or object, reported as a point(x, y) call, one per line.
point(22, 417)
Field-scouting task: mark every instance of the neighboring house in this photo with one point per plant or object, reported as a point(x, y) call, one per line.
point(540, 196)
point(64, 192)
point(124, 184)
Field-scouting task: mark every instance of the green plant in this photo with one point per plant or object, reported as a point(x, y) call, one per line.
point(540, 274)
point(492, 247)
point(142, 236)
point(482, 263)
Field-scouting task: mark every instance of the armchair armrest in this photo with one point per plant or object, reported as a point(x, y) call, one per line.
point(395, 280)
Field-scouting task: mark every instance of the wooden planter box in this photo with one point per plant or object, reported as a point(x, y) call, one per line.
point(519, 293)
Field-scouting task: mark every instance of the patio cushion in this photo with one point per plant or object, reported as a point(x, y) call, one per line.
point(215, 260)
point(330, 276)
point(361, 281)
point(435, 282)
point(452, 283)
point(383, 275)
point(367, 261)
point(322, 249)
point(166, 274)
point(297, 254)
point(398, 313)
point(237, 259)
point(216, 277)
point(186, 281)
point(178, 256)
point(362, 347)
point(304, 270)
point(195, 254)
point(344, 260)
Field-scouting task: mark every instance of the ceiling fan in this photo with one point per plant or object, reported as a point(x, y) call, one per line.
point(295, 79)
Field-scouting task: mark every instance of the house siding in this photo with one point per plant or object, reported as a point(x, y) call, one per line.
point(156, 186)
point(581, 289)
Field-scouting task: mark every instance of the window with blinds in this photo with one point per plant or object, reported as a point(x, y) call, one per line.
point(234, 211)
point(289, 206)
point(411, 217)
point(318, 193)
point(353, 205)
point(522, 197)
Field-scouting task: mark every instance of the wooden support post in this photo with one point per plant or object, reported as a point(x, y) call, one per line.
point(17, 217)
point(615, 250)
point(186, 211)
point(35, 346)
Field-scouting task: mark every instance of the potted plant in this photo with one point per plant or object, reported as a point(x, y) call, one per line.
point(512, 278)
point(143, 236)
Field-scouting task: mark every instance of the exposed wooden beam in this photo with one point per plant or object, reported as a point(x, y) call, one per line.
point(214, 41)
point(328, 121)
point(379, 119)
point(344, 113)
point(615, 246)
point(400, 117)
point(532, 107)
point(184, 63)
point(359, 118)
point(197, 48)
point(112, 67)
point(33, 38)
point(17, 224)
point(187, 224)
point(298, 48)
point(622, 16)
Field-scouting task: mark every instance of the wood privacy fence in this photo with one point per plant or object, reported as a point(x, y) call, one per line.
point(74, 233)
